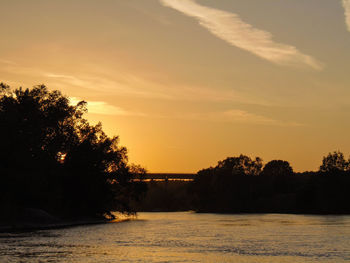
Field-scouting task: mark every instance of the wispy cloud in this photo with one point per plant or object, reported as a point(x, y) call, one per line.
point(125, 84)
point(232, 29)
point(198, 93)
point(7, 62)
point(244, 116)
point(238, 116)
point(139, 87)
point(102, 107)
point(346, 4)
point(67, 78)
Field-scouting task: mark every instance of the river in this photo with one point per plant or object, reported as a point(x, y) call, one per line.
point(189, 237)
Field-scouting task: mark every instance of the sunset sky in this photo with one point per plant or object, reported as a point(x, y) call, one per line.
point(186, 83)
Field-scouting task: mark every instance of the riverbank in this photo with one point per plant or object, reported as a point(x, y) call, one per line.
point(36, 219)
point(29, 226)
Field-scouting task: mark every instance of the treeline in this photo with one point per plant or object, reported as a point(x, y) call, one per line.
point(166, 196)
point(240, 185)
point(53, 160)
point(243, 185)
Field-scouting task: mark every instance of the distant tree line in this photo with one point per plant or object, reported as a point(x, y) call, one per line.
point(52, 159)
point(244, 185)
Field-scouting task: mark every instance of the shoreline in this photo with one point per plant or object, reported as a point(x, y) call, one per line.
point(31, 226)
point(28, 227)
point(247, 213)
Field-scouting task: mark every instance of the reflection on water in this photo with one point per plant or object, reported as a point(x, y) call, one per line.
point(188, 237)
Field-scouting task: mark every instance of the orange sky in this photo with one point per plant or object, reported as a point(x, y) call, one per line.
point(186, 83)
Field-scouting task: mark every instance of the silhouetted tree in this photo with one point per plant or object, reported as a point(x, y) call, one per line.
point(52, 158)
point(277, 168)
point(242, 165)
point(226, 188)
point(335, 162)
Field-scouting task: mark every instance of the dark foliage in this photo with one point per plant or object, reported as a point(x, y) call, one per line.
point(277, 168)
point(51, 158)
point(166, 196)
point(236, 185)
point(335, 162)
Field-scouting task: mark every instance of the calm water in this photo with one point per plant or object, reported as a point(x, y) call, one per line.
point(189, 237)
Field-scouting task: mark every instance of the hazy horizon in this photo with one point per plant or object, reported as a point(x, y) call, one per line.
point(187, 83)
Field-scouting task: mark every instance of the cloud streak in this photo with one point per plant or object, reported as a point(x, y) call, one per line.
point(232, 29)
point(103, 108)
point(7, 62)
point(138, 87)
point(346, 5)
point(239, 116)
point(126, 84)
